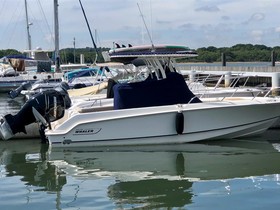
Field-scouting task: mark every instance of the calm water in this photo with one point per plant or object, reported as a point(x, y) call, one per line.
point(235, 174)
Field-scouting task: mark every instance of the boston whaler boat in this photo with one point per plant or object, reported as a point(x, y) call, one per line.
point(158, 110)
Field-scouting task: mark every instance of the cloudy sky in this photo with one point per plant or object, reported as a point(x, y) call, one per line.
point(193, 23)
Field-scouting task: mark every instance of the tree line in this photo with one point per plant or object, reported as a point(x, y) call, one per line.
point(236, 53)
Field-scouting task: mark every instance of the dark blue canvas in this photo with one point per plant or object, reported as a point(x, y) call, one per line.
point(153, 92)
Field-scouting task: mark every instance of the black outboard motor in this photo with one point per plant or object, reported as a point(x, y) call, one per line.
point(50, 104)
point(24, 86)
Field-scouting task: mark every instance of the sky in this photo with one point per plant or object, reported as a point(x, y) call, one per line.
point(192, 23)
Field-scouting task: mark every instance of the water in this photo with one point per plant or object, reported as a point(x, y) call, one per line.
point(230, 174)
point(217, 175)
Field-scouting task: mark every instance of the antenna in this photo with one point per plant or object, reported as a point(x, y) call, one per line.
point(153, 47)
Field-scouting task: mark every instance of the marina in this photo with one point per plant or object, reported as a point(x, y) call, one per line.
point(162, 100)
point(187, 176)
point(152, 133)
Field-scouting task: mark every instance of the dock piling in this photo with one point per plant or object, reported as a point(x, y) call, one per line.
point(227, 78)
point(275, 83)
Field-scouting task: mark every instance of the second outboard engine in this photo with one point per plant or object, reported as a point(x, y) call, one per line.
point(50, 104)
point(24, 86)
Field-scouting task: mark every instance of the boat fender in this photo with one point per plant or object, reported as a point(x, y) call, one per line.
point(107, 69)
point(179, 122)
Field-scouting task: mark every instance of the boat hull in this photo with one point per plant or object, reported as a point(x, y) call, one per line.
point(157, 125)
point(9, 83)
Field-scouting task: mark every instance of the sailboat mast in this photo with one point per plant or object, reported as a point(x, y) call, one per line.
point(27, 26)
point(56, 37)
point(94, 45)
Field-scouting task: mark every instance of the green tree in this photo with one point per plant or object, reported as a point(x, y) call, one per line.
point(9, 52)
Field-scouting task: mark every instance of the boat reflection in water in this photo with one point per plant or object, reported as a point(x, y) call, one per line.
point(28, 160)
point(165, 176)
point(146, 176)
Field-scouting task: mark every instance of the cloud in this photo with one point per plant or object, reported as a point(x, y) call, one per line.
point(225, 17)
point(197, 22)
point(208, 8)
point(257, 17)
point(163, 22)
point(186, 26)
point(277, 29)
point(257, 35)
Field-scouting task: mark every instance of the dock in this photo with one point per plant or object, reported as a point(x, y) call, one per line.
point(269, 75)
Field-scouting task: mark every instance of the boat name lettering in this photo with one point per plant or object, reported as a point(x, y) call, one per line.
point(87, 131)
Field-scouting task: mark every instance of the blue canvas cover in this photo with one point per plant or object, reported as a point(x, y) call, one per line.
point(153, 92)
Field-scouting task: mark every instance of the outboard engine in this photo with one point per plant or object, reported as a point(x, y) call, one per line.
point(24, 86)
point(49, 104)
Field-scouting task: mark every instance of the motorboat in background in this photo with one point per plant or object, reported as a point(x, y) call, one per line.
point(212, 85)
point(37, 65)
point(158, 110)
point(17, 69)
point(84, 81)
point(89, 76)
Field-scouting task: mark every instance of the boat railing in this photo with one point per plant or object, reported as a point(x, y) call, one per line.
point(206, 85)
point(271, 93)
point(192, 99)
point(215, 80)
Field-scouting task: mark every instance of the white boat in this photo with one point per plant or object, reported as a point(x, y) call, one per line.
point(89, 76)
point(79, 81)
point(161, 110)
point(159, 123)
point(20, 69)
point(36, 66)
point(237, 117)
point(222, 85)
point(82, 82)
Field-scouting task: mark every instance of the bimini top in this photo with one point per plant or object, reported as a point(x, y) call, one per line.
point(153, 50)
point(83, 72)
point(127, 54)
point(23, 57)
